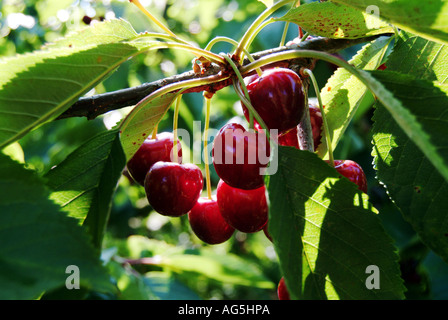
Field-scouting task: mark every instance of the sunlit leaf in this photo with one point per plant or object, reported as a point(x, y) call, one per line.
point(326, 233)
point(343, 92)
point(37, 87)
point(332, 20)
point(428, 19)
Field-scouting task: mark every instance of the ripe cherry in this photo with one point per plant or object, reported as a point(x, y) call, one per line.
point(382, 67)
point(151, 151)
point(245, 210)
point(282, 291)
point(316, 125)
point(278, 97)
point(207, 222)
point(239, 155)
point(352, 171)
point(290, 138)
point(173, 189)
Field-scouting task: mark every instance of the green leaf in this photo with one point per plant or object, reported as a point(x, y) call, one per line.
point(153, 285)
point(227, 268)
point(326, 233)
point(132, 285)
point(344, 92)
point(39, 241)
point(15, 152)
point(419, 57)
point(142, 120)
point(39, 86)
point(412, 181)
point(167, 287)
point(332, 20)
point(419, 107)
point(224, 268)
point(84, 183)
point(428, 19)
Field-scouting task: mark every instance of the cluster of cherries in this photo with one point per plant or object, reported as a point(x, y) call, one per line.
point(173, 189)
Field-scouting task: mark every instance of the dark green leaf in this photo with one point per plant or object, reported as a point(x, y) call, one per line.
point(167, 287)
point(39, 241)
point(84, 183)
point(412, 181)
point(326, 233)
point(424, 105)
point(226, 268)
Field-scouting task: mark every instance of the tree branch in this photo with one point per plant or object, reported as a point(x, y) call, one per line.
point(93, 106)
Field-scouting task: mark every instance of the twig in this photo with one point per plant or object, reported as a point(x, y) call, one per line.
point(93, 106)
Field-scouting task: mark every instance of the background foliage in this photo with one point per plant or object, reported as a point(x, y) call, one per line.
point(178, 265)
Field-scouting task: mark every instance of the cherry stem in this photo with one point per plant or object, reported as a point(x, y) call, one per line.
point(304, 36)
point(252, 110)
point(154, 132)
point(175, 124)
point(305, 129)
point(256, 32)
point(324, 118)
point(178, 86)
point(295, 4)
point(160, 36)
point(207, 97)
point(220, 39)
point(152, 18)
point(244, 43)
point(198, 52)
point(285, 31)
point(235, 43)
point(244, 96)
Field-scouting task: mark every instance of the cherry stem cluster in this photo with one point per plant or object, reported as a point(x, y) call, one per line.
point(252, 30)
point(243, 94)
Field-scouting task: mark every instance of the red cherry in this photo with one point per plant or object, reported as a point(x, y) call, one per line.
point(316, 125)
point(207, 222)
point(151, 151)
point(289, 138)
point(278, 97)
point(282, 291)
point(173, 189)
point(352, 171)
point(245, 210)
point(382, 67)
point(238, 156)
